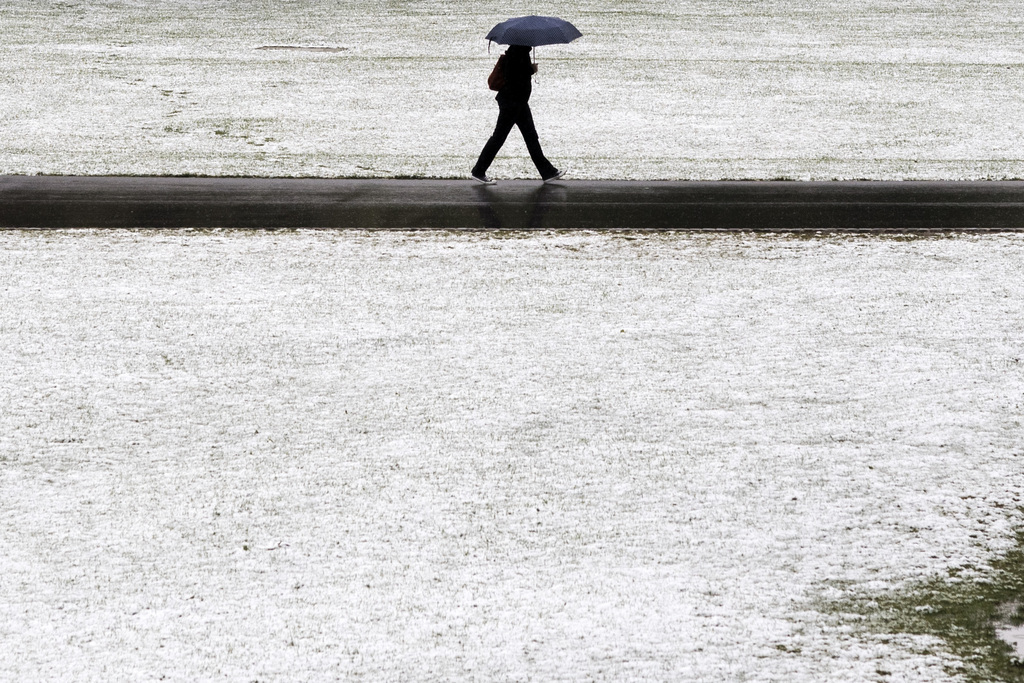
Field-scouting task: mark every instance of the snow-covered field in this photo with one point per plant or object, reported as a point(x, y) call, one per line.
point(332, 455)
point(656, 88)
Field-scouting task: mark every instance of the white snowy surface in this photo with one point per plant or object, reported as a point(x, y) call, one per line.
point(340, 455)
point(1014, 636)
point(703, 89)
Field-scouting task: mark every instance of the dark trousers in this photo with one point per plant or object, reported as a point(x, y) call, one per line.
point(514, 114)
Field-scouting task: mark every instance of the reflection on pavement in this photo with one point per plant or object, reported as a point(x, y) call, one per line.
point(523, 213)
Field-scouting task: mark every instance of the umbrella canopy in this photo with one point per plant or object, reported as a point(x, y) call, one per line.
point(534, 31)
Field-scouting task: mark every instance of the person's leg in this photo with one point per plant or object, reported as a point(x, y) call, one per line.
point(529, 131)
point(506, 119)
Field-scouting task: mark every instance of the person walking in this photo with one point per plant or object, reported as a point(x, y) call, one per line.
point(514, 110)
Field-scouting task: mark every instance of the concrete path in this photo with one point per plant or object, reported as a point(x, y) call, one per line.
point(144, 202)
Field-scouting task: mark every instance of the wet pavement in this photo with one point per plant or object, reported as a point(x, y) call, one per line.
point(770, 206)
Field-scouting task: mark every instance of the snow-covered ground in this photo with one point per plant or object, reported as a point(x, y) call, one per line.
point(656, 88)
point(326, 455)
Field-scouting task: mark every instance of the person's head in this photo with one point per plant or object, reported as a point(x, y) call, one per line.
point(516, 50)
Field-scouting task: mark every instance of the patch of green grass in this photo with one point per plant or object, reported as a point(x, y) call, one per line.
point(962, 611)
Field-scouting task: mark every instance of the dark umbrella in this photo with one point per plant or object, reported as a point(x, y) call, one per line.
point(534, 31)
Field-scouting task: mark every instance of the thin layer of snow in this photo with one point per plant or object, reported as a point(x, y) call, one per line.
point(330, 455)
point(1014, 637)
point(1009, 629)
point(655, 89)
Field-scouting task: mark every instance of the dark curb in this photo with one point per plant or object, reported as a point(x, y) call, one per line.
point(769, 206)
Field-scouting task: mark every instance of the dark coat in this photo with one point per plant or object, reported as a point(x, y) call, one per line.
point(518, 70)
